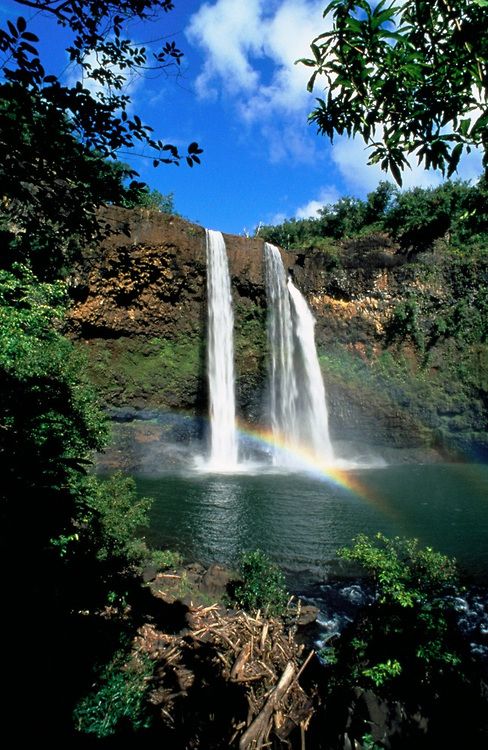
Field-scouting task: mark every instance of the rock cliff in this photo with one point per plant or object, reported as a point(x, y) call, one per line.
point(139, 311)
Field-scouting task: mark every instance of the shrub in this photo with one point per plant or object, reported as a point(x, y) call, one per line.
point(403, 573)
point(119, 697)
point(165, 558)
point(409, 632)
point(262, 586)
point(114, 516)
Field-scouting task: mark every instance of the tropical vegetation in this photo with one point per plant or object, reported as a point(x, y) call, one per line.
point(410, 78)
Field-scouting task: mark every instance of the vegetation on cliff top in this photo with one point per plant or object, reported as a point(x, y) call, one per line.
point(455, 212)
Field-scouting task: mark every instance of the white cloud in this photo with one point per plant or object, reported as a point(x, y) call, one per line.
point(229, 33)
point(287, 36)
point(250, 50)
point(310, 210)
point(351, 157)
point(132, 79)
point(275, 219)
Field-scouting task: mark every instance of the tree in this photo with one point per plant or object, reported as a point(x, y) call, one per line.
point(410, 77)
point(101, 122)
point(59, 143)
point(69, 534)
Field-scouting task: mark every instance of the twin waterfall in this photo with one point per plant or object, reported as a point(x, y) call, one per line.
point(298, 409)
point(220, 363)
point(297, 405)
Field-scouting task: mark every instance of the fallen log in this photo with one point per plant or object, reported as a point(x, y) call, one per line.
point(241, 661)
point(255, 734)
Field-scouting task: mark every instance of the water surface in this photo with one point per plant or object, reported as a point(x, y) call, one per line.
point(300, 520)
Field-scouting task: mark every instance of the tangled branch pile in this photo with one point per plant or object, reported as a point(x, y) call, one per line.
point(248, 669)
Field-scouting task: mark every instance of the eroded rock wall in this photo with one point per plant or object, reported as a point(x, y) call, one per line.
point(139, 311)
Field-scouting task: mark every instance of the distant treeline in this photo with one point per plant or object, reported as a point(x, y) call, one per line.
point(455, 211)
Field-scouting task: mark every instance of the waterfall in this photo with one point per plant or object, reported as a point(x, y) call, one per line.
point(283, 387)
point(298, 410)
point(315, 418)
point(223, 450)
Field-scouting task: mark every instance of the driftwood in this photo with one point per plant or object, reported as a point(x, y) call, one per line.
point(258, 656)
point(255, 734)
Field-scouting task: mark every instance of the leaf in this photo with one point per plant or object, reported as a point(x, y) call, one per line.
point(21, 24)
point(316, 52)
point(382, 17)
point(480, 124)
point(306, 61)
point(28, 48)
point(454, 158)
point(311, 82)
point(395, 170)
point(331, 6)
point(354, 24)
point(30, 37)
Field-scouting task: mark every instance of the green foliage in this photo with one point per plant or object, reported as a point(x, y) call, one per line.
point(50, 187)
point(409, 77)
point(95, 28)
point(49, 425)
point(47, 215)
point(49, 421)
point(454, 212)
point(165, 559)
point(113, 516)
point(119, 698)
point(402, 572)
point(58, 145)
point(419, 216)
point(263, 585)
point(368, 743)
point(384, 671)
point(404, 323)
point(169, 368)
point(152, 199)
point(408, 636)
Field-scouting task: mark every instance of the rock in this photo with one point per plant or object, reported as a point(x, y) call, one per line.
point(215, 580)
point(308, 615)
point(149, 573)
point(139, 312)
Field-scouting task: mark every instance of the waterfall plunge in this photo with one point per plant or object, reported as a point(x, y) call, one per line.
point(223, 451)
point(283, 387)
point(298, 409)
point(314, 415)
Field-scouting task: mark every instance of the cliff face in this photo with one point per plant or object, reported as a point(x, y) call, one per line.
point(139, 311)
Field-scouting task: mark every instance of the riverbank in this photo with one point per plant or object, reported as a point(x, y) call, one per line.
point(213, 677)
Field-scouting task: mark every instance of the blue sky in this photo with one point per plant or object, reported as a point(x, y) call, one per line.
point(243, 99)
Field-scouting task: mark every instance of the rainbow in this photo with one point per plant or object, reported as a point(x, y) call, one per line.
point(344, 477)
